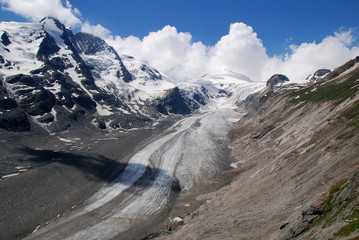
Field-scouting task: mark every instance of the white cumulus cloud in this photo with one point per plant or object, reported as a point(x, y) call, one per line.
point(96, 30)
point(175, 54)
point(240, 51)
point(168, 50)
point(306, 58)
point(38, 9)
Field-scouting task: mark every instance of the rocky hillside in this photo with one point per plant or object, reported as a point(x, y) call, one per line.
point(297, 170)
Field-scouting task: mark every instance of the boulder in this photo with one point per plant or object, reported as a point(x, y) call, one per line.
point(178, 220)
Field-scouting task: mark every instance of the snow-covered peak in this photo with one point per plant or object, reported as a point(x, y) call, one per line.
point(227, 87)
point(55, 29)
point(226, 76)
point(19, 55)
point(125, 77)
point(90, 44)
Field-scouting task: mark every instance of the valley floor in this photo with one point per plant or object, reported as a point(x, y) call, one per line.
point(161, 172)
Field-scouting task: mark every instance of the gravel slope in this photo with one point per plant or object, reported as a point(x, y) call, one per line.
point(291, 147)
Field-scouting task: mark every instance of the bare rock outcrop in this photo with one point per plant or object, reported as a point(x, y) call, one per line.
point(277, 79)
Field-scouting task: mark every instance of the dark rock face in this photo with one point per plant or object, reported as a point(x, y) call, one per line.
point(276, 79)
point(5, 39)
point(90, 45)
point(38, 103)
point(47, 47)
point(33, 97)
point(173, 102)
point(128, 121)
point(85, 102)
point(125, 74)
point(155, 75)
point(35, 100)
point(199, 98)
point(319, 74)
point(322, 72)
point(14, 120)
point(8, 104)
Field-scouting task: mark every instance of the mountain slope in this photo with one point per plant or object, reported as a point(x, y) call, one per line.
point(292, 146)
point(59, 79)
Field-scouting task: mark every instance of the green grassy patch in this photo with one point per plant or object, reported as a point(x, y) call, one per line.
point(336, 188)
point(352, 112)
point(330, 215)
point(331, 91)
point(348, 229)
point(346, 135)
point(352, 116)
point(354, 215)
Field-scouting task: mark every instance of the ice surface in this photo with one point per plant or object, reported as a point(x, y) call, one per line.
point(189, 148)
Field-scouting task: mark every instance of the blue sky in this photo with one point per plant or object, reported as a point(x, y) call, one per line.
point(279, 35)
point(278, 23)
point(275, 21)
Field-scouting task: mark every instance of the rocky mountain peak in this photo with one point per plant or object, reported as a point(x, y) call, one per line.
point(90, 44)
point(52, 20)
point(173, 102)
point(277, 79)
point(319, 74)
point(47, 47)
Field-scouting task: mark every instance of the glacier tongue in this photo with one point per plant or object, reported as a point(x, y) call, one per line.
point(192, 151)
point(76, 84)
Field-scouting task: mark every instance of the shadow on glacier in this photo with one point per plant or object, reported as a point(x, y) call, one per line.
point(97, 167)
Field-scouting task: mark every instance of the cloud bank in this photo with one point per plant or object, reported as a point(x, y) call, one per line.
point(96, 30)
point(241, 51)
point(306, 58)
point(35, 10)
point(175, 54)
